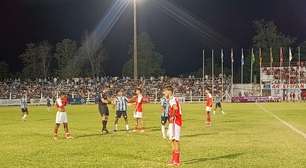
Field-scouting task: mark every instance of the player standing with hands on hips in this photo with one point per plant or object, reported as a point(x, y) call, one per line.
point(175, 124)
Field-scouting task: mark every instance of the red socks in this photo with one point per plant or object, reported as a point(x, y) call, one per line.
point(176, 157)
point(208, 117)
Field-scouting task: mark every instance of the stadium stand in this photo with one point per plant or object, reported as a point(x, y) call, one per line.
point(89, 87)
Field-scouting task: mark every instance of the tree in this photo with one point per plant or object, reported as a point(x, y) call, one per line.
point(95, 53)
point(303, 51)
point(44, 56)
point(36, 60)
point(4, 70)
point(149, 61)
point(64, 53)
point(268, 36)
point(30, 62)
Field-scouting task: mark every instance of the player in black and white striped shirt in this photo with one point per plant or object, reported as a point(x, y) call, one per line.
point(121, 103)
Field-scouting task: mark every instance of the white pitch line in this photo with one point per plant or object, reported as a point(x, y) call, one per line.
point(283, 121)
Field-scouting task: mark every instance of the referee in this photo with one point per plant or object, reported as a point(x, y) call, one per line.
point(103, 109)
point(121, 103)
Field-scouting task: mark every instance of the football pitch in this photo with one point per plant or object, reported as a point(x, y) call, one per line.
point(249, 135)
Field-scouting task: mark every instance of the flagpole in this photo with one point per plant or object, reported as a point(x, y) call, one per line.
point(251, 80)
point(281, 60)
point(271, 60)
point(203, 67)
point(290, 68)
point(203, 73)
point(232, 71)
point(271, 66)
point(212, 72)
point(222, 73)
point(299, 52)
point(242, 63)
point(260, 59)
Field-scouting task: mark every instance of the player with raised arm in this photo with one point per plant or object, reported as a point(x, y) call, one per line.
point(209, 104)
point(61, 117)
point(218, 104)
point(164, 114)
point(138, 114)
point(175, 124)
point(121, 103)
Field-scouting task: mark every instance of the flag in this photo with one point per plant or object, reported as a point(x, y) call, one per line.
point(242, 57)
point(271, 56)
point(232, 55)
point(260, 57)
point(290, 54)
point(281, 56)
point(222, 55)
point(253, 57)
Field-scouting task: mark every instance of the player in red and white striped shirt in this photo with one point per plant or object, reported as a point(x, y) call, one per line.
point(138, 114)
point(209, 104)
point(175, 124)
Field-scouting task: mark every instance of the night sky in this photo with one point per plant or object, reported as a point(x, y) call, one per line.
point(24, 21)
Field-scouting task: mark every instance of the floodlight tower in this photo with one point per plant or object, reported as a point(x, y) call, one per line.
point(135, 41)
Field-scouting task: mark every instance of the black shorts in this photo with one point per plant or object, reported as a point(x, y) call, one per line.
point(25, 110)
point(48, 105)
point(104, 111)
point(164, 119)
point(121, 113)
point(218, 105)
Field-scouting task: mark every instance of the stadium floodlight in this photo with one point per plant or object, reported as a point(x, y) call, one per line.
point(135, 40)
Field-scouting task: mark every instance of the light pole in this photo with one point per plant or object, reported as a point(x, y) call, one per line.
point(135, 41)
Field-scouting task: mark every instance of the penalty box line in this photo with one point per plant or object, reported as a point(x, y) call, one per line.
point(283, 121)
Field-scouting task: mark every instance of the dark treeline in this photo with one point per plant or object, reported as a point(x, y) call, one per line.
point(87, 58)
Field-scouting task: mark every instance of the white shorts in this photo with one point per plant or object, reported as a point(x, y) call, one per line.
point(174, 132)
point(138, 115)
point(61, 117)
point(208, 109)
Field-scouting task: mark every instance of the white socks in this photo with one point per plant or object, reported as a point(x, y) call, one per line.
point(127, 127)
point(163, 130)
point(24, 117)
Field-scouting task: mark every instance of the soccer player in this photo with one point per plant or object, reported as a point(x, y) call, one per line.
point(209, 104)
point(102, 101)
point(48, 103)
point(121, 103)
point(175, 124)
point(24, 107)
point(218, 104)
point(61, 117)
point(164, 114)
point(138, 114)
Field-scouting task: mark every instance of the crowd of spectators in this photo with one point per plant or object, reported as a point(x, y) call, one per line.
point(281, 75)
point(89, 87)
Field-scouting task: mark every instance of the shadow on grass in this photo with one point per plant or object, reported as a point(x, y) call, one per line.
point(196, 135)
point(87, 135)
point(229, 156)
point(231, 121)
point(151, 128)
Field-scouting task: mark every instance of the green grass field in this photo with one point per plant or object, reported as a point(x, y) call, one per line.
point(247, 136)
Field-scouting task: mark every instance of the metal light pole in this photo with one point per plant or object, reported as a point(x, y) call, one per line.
point(135, 42)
